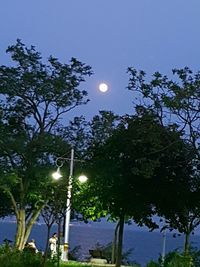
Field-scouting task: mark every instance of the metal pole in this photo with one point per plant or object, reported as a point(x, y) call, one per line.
point(68, 209)
point(163, 248)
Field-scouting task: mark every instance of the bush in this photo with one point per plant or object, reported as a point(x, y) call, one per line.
point(74, 254)
point(176, 259)
point(15, 258)
point(5, 248)
point(153, 264)
point(195, 254)
point(168, 257)
point(19, 259)
point(180, 261)
point(106, 253)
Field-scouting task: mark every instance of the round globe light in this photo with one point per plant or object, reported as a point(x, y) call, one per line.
point(57, 175)
point(103, 87)
point(82, 178)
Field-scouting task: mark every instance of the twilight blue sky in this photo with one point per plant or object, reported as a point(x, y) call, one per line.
point(109, 35)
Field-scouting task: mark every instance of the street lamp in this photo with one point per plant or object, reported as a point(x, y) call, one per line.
point(57, 175)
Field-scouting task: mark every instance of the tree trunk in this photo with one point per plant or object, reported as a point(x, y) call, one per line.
point(120, 241)
point(187, 243)
point(21, 225)
point(23, 228)
point(47, 244)
point(114, 244)
point(30, 223)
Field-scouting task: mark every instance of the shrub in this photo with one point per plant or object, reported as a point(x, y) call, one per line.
point(176, 259)
point(180, 261)
point(195, 254)
point(74, 254)
point(153, 264)
point(106, 252)
point(168, 257)
point(15, 258)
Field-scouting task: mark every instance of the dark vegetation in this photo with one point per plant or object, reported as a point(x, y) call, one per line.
point(132, 161)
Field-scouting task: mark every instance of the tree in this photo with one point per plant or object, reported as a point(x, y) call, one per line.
point(34, 98)
point(122, 170)
point(177, 103)
point(102, 126)
point(86, 137)
point(94, 134)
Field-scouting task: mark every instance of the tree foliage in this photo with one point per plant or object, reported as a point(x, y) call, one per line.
point(176, 101)
point(34, 98)
point(126, 170)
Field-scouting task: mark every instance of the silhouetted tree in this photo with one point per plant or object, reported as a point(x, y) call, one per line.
point(34, 98)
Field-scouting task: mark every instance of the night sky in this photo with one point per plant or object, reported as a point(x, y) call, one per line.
point(109, 35)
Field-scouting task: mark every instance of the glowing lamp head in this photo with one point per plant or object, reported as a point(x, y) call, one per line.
point(57, 175)
point(82, 178)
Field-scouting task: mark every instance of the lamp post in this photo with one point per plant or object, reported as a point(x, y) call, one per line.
point(68, 209)
point(56, 176)
point(163, 247)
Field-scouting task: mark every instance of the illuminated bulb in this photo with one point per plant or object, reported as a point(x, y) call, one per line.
point(82, 178)
point(57, 175)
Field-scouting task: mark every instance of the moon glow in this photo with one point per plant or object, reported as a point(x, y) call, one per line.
point(103, 87)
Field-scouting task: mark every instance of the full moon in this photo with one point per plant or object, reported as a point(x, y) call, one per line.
point(103, 87)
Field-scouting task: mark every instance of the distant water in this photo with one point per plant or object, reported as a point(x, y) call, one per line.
point(146, 245)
